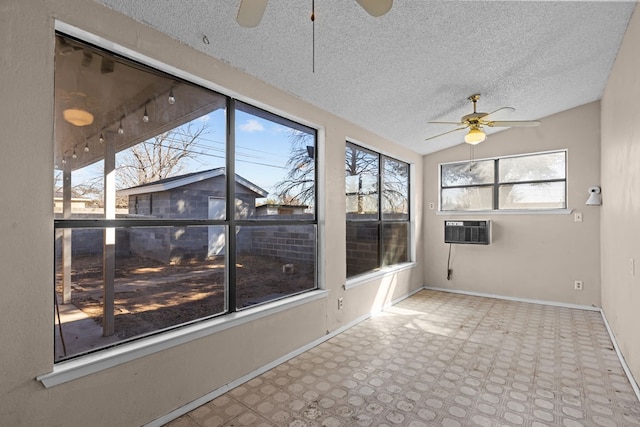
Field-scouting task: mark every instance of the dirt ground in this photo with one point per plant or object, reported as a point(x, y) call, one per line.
point(150, 296)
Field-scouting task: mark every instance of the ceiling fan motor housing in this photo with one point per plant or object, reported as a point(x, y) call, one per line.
point(473, 118)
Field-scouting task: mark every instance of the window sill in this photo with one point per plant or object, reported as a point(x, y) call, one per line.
point(377, 274)
point(108, 358)
point(509, 212)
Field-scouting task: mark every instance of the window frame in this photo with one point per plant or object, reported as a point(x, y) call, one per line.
point(232, 315)
point(497, 184)
point(381, 221)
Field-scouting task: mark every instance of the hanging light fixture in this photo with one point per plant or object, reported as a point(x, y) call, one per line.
point(121, 129)
point(145, 116)
point(74, 155)
point(475, 135)
point(86, 146)
point(77, 116)
point(172, 98)
point(101, 139)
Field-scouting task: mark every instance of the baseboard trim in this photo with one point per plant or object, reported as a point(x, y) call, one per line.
point(625, 367)
point(517, 299)
point(158, 422)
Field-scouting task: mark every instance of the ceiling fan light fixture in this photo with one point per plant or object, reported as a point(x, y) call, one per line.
point(475, 136)
point(77, 117)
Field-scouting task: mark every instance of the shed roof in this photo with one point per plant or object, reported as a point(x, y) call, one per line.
point(186, 179)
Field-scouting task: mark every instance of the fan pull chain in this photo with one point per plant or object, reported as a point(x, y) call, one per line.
point(470, 156)
point(313, 36)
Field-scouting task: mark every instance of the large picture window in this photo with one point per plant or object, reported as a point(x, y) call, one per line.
point(378, 222)
point(525, 182)
point(172, 203)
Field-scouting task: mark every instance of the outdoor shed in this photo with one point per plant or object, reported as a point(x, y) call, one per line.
point(198, 195)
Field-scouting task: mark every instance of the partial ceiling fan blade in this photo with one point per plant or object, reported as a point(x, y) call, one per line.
point(376, 8)
point(442, 134)
point(446, 123)
point(509, 109)
point(513, 124)
point(250, 12)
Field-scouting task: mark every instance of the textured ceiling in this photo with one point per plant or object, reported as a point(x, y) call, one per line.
point(393, 74)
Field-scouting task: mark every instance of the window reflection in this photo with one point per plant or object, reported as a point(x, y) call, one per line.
point(374, 237)
point(164, 278)
point(143, 156)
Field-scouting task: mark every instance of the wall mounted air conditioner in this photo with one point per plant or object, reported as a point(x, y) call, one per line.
point(468, 232)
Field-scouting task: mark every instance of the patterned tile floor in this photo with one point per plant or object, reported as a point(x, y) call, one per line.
point(443, 359)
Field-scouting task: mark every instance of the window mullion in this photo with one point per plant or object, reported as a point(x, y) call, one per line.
point(496, 186)
point(380, 228)
point(231, 196)
point(538, 181)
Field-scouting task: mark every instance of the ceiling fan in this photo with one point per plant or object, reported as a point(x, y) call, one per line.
point(251, 11)
point(476, 120)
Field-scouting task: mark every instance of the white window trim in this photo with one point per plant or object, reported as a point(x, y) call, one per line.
point(380, 273)
point(104, 359)
point(107, 358)
point(508, 212)
point(565, 211)
point(358, 280)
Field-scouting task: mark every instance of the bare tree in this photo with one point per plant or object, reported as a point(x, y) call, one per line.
point(88, 189)
point(160, 157)
point(298, 185)
point(363, 166)
point(395, 184)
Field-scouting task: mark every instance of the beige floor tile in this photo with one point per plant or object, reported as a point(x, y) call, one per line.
point(443, 359)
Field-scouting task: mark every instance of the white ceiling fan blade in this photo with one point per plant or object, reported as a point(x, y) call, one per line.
point(446, 123)
point(513, 124)
point(442, 134)
point(376, 7)
point(250, 12)
point(509, 109)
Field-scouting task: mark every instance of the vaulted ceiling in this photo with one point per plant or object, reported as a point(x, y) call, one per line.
point(417, 63)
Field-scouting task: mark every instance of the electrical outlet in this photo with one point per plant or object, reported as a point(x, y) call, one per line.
point(432, 205)
point(577, 217)
point(340, 303)
point(577, 285)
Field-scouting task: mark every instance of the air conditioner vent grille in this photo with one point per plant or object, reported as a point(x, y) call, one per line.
point(467, 232)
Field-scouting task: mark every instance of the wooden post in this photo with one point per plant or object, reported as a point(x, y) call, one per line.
point(109, 249)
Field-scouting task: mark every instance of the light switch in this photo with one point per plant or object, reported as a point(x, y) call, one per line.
point(577, 217)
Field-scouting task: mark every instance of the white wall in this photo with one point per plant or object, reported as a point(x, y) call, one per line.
point(620, 226)
point(146, 388)
point(531, 256)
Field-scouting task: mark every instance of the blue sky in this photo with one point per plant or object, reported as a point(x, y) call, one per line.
point(262, 150)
